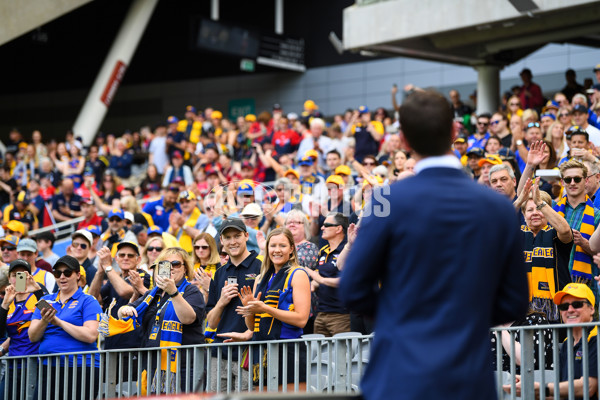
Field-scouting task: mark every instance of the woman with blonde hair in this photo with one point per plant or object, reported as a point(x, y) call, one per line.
point(206, 260)
point(556, 136)
point(286, 305)
point(154, 246)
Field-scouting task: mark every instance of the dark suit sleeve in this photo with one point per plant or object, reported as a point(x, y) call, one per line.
point(512, 296)
point(367, 258)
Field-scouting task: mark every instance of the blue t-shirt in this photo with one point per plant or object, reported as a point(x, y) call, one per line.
point(159, 214)
point(78, 309)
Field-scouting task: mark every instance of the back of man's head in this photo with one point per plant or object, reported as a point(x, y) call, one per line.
point(426, 121)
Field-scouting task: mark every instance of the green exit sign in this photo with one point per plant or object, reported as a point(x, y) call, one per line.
point(247, 65)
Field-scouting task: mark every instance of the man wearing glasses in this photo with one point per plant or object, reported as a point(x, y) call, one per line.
point(583, 218)
point(120, 288)
point(576, 305)
point(332, 316)
point(8, 244)
point(82, 240)
point(481, 135)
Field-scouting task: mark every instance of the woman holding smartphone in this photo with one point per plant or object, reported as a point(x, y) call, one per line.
point(15, 315)
point(173, 302)
point(280, 305)
point(67, 321)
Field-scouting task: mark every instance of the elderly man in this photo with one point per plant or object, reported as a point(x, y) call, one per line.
point(66, 205)
point(316, 140)
point(502, 180)
point(120, 287)
point(486, 165)
point(332, 316)
point(576, 305)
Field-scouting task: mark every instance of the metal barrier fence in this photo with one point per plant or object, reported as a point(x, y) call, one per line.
point(310, 364)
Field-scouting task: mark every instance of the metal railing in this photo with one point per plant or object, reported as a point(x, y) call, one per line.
point(310, 364)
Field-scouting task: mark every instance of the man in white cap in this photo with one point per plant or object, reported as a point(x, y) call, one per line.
point(80, 248)
point(27, 250)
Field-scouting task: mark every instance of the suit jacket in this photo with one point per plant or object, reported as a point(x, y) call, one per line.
point(449, 257)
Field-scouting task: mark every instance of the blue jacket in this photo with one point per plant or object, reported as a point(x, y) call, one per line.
point(449, 257)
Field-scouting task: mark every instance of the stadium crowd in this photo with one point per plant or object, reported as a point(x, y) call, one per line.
point(233, 209)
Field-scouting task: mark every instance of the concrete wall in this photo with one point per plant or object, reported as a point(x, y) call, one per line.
point(333, 88)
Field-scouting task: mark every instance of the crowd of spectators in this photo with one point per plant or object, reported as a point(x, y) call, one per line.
point(256, 198)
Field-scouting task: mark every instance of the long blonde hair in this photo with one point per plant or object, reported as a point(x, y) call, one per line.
point(214, 252)
point(189, 269)
point(267, 264)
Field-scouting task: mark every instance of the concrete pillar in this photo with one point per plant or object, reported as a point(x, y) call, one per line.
point(279, 17)
point(488, 88)
point(111, 74)
point(214, 10)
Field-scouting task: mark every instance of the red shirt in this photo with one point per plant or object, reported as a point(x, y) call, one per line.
point(285, 142)
point(95, 220)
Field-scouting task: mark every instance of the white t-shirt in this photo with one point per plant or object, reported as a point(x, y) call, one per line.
point(158, 148)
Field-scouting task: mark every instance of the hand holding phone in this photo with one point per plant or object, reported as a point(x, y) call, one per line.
point(21, 282)
point(164, 269)
point(42, 304)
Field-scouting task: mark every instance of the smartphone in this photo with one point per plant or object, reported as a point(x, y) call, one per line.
point(164, 269)
point(21, 283)
point(42, 304)
point(231, 280)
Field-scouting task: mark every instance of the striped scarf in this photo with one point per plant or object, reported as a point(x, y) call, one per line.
point(582, 262)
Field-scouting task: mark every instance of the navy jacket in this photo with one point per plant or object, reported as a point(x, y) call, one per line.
point(449, 257)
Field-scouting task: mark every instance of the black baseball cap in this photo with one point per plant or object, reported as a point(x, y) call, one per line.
point(68, 261)
point(19, 263)
point(476, 151)
point(235, 223)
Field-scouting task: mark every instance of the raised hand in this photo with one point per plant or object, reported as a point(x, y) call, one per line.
point(537, 154)
point(246, 295)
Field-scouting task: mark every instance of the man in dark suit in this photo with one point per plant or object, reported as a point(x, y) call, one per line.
point(449, 259)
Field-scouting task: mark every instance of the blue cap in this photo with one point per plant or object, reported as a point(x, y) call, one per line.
point(476, 151)
point(363, 109)
point(172, 119)
point(190, 109)
point(94, 230)
point(548, 115)
point(307, 161)
point(245, 188)
point(505, 154)
point(116, 212)
point(155, 229)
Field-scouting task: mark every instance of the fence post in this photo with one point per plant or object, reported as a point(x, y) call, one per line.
point(272, 366)
point(342, 359)
point(111, 366)
point(527, 364)
point(31, 380)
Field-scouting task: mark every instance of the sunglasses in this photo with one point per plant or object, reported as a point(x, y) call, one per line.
point(66, 272)
point(513, 104)
point(8, 248)
point(209, 208)
point(495, 122)
point(82, 246)
point(329, 225)
point(202, 247)
point(159, 249)
point(368, 163)
point(482, 123)
point(533, 124)
point(176, 264)
point(577, 179)
point(114, 220)
point(577, 304)
point(564, 115)
point(128, 255)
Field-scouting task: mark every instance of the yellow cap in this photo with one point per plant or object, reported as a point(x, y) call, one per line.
point(579, 290)
point(292, 172)
point(310, 105)
point(338, 180)
point(490, 159)
point(250, 118)
point(216, 115)
point(312, 153)
point(343, 170)
point(15, 226)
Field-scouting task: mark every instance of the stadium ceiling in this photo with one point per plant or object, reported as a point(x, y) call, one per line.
point(465, 32)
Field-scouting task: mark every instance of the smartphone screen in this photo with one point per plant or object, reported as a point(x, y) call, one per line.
point(21, 283)
point(164, 269)
point(231, 280)
point(42, 304)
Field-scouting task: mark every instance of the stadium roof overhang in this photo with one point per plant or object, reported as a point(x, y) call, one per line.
point(468, 32)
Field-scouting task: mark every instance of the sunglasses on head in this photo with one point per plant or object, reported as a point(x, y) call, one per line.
point(159, 249)
point(533, 125)
point(66, 272)
point(203, 247)
point(82, 246)
point(577, 179)
point(8, 248)
point(577, 304)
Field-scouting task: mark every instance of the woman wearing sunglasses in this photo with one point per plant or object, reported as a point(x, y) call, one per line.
point(69, 323)
point(175, 303)
point(280, 305)
point(153, 248)
point(206, 261)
